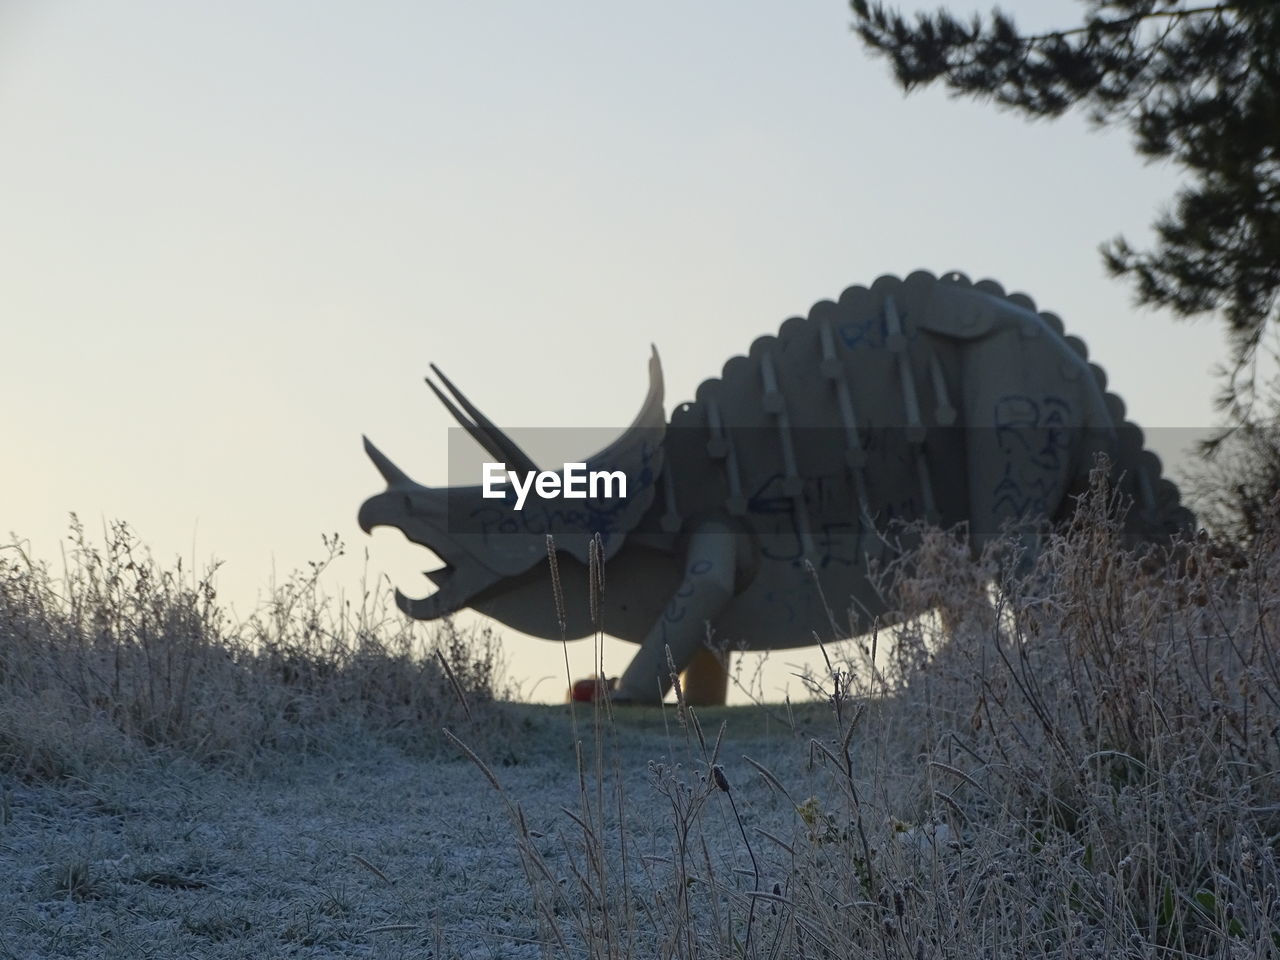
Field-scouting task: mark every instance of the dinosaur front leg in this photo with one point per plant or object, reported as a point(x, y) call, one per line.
point(704, 592)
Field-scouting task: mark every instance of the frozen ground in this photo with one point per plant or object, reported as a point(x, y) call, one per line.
point(370, 852)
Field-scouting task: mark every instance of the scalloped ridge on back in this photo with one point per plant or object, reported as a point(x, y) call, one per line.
point(1157, 510)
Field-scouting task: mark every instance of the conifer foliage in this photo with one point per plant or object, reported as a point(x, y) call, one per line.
point(1198, 85)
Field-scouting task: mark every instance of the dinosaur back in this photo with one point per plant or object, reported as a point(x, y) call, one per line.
point(855, 415)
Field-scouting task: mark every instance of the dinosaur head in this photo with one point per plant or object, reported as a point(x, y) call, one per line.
point(485, 543)
point(423, 515)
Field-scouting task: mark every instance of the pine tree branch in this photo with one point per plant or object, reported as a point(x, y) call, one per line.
point(1127, 22)
point(1200, 86)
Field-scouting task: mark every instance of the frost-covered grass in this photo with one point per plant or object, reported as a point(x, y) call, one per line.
point(118, 654)
point(1088, 773)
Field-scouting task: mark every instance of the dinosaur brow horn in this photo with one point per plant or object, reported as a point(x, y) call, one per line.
point(484, 430)
point(478, 435)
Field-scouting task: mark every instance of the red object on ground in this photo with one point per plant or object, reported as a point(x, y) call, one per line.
point(591, 689)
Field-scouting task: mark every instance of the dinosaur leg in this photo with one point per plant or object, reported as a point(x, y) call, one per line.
point(706, 589)
point(706, 680)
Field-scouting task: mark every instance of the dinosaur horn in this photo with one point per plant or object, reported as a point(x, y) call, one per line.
point(478, 435)
point(394, 476)
point(482, 429)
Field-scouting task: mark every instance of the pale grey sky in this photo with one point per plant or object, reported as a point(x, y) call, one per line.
point(233, 235)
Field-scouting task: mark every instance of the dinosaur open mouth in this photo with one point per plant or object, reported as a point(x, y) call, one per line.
point(456, 584)
point(440, 568)
point(421, 514)
point(447, 596)
point(434, 604)
point(440, 576)
point(456, 576)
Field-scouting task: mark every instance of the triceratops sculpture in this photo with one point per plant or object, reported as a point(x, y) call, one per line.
point(921, 398)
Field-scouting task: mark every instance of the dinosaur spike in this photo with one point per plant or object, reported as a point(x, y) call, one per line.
point(485, 431)
point(737, 503)
point(772, 398)
point(792, 483)
point(717, 445)
point(478, 435)
point(855, 456)
point(898, 344)
point(394, 476)
point(720, 447)
point(775, 405)
point(894, 338)
point(944, 413)
point(915, 431)
point(831, 367)
point(834, 370)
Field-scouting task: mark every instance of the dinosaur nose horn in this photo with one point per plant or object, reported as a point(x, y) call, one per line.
point(394, 476)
